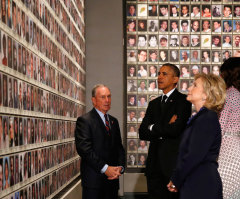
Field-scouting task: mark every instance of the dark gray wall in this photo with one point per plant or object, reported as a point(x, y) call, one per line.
point(104, 51)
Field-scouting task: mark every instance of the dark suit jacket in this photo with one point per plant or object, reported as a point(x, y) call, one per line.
point(97, 148)
point(196, 173)
point(163, 152)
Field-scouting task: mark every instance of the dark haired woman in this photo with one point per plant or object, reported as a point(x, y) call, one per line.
point(229, 158)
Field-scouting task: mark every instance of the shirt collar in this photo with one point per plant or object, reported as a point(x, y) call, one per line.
point(101, 114)
point(170, 92)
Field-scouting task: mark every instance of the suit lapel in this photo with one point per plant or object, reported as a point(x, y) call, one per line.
point(170, 100)
point(99, 121)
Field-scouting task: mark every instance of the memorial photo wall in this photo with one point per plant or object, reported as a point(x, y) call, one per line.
point(197, 36)
point(42, 92)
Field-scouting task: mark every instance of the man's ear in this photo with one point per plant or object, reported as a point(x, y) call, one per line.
point(94, 101)
point(175, 80)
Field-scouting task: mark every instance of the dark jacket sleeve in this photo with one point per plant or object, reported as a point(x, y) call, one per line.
point(203, 134)
point(174, 130)
point(84, 145)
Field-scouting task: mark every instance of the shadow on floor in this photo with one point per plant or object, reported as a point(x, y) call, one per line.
point(134, 196)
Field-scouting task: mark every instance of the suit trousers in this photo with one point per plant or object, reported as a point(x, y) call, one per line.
point(157, 187)
point(106, 191)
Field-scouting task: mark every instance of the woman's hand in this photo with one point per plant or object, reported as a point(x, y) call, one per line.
point(171, 187)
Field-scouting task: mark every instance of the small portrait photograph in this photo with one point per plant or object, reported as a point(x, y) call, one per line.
point(19, 58)
point(142, 10)
point(153, 41)
point(1, 88)
point(15, 54)
point(227, 41)
point(195, 40)
point(174, 10)
point(195, 56)
point(174, 41)
point(19, 22)
point(185, 25)
point(236, 25)
point(153, 10)
point(216, 26)
point(142, 41)
point(131, 71)
point(205, 69)
point(184, 71)
point(131, 40)
point(152, 71)
point(152, 86)
point(163, 55)
point(206, 11)
point(131, 10)
point(142, 71)
point(1, 174)
point(206, 41)
point(206, 56)
point(6, 173)
point(16, 176)
point(183, 86)
point(132, 85)
point(142, 55)
point(132, 131)
point(195, 26)
point(226, 54)
point(227, 11)
point(195, 11)
point(184, 10)
point(237, 11)
point(216, 70)
point(23, 60)
point(142, 146)
point(131, 160)
point(132, 100)
point(216, 56)
point(174, 26)
point(20, 131)
point(163, 26)
point(5, 140)
point(9, 13)
point(131, 56)
point(184, 56)
point(163, 40)
point(163, 10)
point(141, 114)
point(4, 59)
point(5, 91)
point(23, 25)
point(152, 25)
point(153, 56)
point(174, 57)
point(216, 10)
point(10, 53)
point(142, 25)
point(3, 12)
point(184, 40)
point(142, 101)
point(227, 26)
point(142, 158)
point(216, 41)
point(206, 24)
point(15, 93)
point(142, 85)
point(10, 92)
point(195, 69)
point(236, 41)
point(132, 145)
point(131, 25)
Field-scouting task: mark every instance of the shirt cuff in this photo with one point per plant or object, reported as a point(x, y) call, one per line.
point(150, 127)
point(104, 168)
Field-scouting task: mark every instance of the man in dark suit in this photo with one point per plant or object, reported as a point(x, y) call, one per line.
point(163, 125)
point(98, 142)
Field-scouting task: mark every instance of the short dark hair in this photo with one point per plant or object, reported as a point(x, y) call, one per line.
point(230, 71)
point(175, 69)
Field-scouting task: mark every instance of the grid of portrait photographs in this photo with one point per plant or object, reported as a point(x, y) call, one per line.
point(197, 36)
point(42, 92)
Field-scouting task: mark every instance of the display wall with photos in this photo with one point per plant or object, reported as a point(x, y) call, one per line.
point(197, 36)
point(42, 92)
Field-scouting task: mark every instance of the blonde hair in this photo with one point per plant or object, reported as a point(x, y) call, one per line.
point(215, 89)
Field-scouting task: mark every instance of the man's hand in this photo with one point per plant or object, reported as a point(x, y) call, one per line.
point(173, 119)
point(113, 172)
point(171, 187)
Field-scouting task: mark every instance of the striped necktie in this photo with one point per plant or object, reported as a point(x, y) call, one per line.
point(107, 123)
